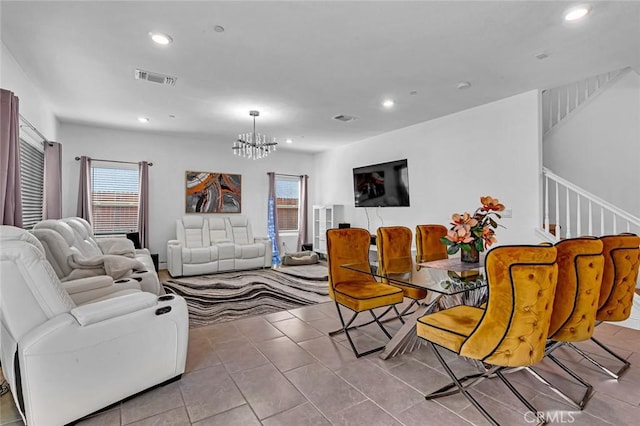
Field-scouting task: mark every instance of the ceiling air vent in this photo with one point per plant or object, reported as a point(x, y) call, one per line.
point(155, 77)
point(345, 118)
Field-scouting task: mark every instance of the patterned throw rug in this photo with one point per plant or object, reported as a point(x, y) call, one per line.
point(232, 295)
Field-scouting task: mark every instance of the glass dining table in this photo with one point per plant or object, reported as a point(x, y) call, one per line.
point(449, 282)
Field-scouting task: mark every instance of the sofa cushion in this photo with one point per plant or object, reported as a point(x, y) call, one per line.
point(250, 251)
point(197, 255)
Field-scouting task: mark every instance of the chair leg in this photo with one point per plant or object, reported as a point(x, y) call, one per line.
point(462, 388)
point(406, 310)
point(346, 327)
point(615, 375)
point(532, 409)
point(625, 364)
point(579, 404)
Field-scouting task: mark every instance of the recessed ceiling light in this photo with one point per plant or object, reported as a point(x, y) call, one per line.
point(541, 55)
point(289, 141)
point(143, 119)
point(161, 38)
point(576, 13)
point(218, 29)
point(388, 103)
point(463, 85)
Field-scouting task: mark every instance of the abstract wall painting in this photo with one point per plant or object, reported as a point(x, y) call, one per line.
point(209, 192)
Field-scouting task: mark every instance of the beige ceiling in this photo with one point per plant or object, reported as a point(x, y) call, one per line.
point(302, 62)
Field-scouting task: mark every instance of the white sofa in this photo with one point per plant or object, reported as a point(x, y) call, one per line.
point(206, 245)
point(63, 361)
point(74, 253)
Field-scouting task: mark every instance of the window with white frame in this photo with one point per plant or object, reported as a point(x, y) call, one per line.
point(31, 182)
point(287, 202)
point(115, 198)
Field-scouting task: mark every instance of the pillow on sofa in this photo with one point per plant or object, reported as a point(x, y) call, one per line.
point(300, 258)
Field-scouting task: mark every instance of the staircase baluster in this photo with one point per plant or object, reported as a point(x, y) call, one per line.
point(558, 116)
point(546, 203)
point(578, 216)
point(601, 220)
point(590, 218)
point(615, 228)
point(567, 233)
point(557, 218)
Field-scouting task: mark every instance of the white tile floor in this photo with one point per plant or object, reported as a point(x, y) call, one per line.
point(283, 369)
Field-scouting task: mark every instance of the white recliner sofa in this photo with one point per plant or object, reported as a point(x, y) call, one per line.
point(206, 245)
point(63, 361)
point(74, 253)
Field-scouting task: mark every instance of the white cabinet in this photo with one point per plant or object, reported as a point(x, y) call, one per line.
point(325, 217)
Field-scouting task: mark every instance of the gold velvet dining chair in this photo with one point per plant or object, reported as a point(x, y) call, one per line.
point(621, 262)
point(394, 243)
point(356, 291)
point(511, 331)
point(428, 244)
point(580, 269)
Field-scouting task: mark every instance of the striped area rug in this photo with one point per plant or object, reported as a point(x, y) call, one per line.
point(227, 296)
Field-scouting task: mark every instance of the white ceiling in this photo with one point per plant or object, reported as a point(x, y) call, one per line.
point(301, 63)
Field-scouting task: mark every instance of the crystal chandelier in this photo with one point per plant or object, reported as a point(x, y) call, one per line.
point(254, 145)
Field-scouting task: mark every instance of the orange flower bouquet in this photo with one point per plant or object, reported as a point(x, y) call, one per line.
point(474, 233)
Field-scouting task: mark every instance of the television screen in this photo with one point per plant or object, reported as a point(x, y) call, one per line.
point(382, 185)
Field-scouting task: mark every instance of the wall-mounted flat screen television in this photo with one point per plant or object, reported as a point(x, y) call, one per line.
point(382, 185)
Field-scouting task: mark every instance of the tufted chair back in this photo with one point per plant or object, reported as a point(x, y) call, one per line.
point(347, 245)
point(428, 244)
point(193, 231)
point(580, 266)
point(621, 261)
point(394, 242)
point(513, 329)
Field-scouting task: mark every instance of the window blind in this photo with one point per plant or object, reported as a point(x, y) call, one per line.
point(287, 202)
point(31, 183)
point(114, 199)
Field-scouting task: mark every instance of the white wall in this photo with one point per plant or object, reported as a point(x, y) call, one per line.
point(493, 149)
point(172, 156)
point(598, 146)
point(33, 105)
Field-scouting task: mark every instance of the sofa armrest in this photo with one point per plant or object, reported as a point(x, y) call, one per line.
point(174, 258)
point(92, 313)
point(86, 284)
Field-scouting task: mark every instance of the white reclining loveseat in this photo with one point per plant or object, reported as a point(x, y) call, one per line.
point(206, 245)
point(74, 253)
point(64, 361)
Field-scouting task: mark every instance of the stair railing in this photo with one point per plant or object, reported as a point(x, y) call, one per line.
point(567, 208)
point(559, 102)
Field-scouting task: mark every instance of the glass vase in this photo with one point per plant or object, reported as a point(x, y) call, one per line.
point(471, 256)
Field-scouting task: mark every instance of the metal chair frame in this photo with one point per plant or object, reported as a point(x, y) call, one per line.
point(346, 327)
